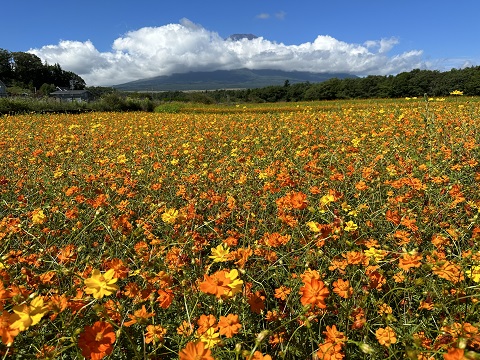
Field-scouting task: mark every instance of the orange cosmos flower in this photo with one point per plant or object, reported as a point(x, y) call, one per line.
point(314, 292)
point(282, 292)
point(229, 325)
point(121, 271)
point(96, 341)
point(342, 288)
point(330, 351)
point(333, 335)
point(455, 354)
point(217, 284)
point(257, 355)
point(386, 336)
point(297, 200)
point(185, 329)
point(100, 285)
point(449, 270)
point(206, 322)
point(138, 316)
point(257, 302)
point(6, 331)
point(408, 261)
point(165, 298)
point(196, 351)
point(155, 333)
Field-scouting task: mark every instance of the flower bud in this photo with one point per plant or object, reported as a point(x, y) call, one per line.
point(366, 349)
point(262, 335)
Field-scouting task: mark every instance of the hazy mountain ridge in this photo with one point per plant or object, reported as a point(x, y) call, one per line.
point(226, 79)
point(237, 37)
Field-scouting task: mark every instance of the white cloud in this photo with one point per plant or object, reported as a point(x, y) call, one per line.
point(186, 46)
point(263, 16)
point(280, 15)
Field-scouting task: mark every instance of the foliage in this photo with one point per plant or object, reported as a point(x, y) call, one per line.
point(320, 230)
point(26, 70)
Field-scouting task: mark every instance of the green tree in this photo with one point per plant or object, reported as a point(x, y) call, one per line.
point(46, 89)
point(28, 69)
point(6, 70)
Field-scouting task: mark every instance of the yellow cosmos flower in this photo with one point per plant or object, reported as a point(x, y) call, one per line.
point(313, 226)
point(350, 226)
point(374, 254)
point(474, 273)
point(121, 159)
point(210, 338)
point(170, 216)
point(235, 284)
point(219, 254)
point(456, 92)
point(101, 285)
point(38, 217)
point(327, 199)
point(25, 316)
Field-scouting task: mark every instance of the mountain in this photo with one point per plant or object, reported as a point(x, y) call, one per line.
point(226, 79)
point(237, 37)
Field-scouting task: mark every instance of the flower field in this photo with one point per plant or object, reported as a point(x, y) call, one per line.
point(304, 231)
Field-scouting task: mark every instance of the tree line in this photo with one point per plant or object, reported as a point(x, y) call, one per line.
point(406, 84)
point(25, 71)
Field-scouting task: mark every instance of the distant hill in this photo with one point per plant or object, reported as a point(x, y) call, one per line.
point(226, 79)
point(237, 37)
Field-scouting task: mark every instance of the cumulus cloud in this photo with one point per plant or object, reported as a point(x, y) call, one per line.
point(186, 46)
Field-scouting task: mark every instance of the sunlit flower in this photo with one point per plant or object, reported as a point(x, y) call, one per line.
point(374, 254)
point(314, 293)
point(333, 335)
point(474, 273)
point(28, 315)
point(409, 261)
point(170, 216)
point(350, 226)
point(100, 285)
point(257, 355)
point(282, 292)
point(210, 338)
point(313, 226)
point(235, 283)
point(216, 284)
point(121, 159)
point(38, 217)
point(327, 199)
point(220, 253)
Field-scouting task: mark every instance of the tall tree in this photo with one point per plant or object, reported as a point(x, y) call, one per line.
point(28, 69)
point(6, 70)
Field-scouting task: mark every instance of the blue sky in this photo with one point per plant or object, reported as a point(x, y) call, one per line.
point(110, 42)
